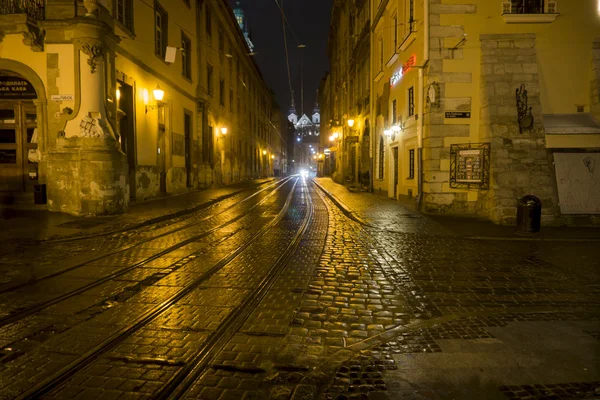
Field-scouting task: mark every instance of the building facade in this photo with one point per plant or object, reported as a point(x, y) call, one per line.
point(481, 103)
point(345, 97)
point(107, 102)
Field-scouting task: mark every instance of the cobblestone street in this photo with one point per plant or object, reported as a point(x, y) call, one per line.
point(299, 289)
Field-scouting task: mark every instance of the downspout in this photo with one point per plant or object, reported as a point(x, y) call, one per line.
point(422, 103)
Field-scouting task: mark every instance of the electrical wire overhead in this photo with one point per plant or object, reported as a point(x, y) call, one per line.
point(285, 21)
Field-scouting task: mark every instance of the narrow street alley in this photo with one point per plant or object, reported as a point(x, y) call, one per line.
point(297, 288)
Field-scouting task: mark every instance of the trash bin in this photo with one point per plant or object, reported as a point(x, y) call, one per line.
point(529, 214)
point(39, 194)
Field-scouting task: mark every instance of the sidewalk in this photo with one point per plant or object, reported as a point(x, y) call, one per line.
point(384, 213)
point(19, 224)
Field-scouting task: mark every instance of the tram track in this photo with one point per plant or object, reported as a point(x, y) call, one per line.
point(28, 311)
point(217, 339)
point(181, 382)
point(161, 219)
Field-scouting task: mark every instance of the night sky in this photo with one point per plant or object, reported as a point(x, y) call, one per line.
point(310, 21)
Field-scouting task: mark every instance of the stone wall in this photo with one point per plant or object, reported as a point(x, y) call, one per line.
point(519, 163)
point(437, 197)
point(595, 84)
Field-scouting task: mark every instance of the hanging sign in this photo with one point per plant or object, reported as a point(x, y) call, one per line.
point(16, 88)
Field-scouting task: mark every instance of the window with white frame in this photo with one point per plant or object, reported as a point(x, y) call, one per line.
point(161, 29)
point(186, 56)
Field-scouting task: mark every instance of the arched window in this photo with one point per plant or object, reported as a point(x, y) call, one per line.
point(381, 150)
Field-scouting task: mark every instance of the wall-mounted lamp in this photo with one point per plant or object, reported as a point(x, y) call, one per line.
point(158, 96)
point(350, 123)
point(273, 156)
point(223, 131)
point(264, 152)
point(387, 132)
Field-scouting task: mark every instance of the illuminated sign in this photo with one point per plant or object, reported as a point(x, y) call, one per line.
point(396, 77)
point(411, 62)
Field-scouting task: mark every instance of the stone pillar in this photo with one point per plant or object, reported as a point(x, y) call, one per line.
point(87, 170)
point(519, 161)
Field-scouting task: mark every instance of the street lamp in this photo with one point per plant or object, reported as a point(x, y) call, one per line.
point(350, 123)
point(272, 156)
point(159, 94)
point(224, 131)
point(264, 152)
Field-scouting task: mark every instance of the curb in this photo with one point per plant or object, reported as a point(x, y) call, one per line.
point(344, 208)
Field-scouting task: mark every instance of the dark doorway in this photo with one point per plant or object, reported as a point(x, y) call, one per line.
point(187, 126)
point(396, 172)
point(126, 130)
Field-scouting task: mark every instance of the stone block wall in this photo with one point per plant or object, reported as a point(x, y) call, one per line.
point(519, 163)
point(437, 198)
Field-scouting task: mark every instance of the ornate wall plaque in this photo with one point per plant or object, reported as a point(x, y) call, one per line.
point(470, 165)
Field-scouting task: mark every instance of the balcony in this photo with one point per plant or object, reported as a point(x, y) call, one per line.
point(529, 11)
point(34, 9)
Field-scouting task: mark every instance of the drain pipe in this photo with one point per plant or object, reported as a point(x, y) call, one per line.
point(422, 103)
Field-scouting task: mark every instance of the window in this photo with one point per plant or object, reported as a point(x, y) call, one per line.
point(381, 54)
point(124, 13)
point(222, 92)
point(411, 164)
point(395, 33)
point(208, 20)
point(161, 21)
point(186, 56)
point(411, 101)
point(381, 150)
point(394, 115)
point(527, 6)
point(411, 13)
point(231, 100)
point(221, 42)
point(209, 79)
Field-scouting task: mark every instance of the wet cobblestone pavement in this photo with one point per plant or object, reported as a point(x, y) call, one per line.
point(285, 295)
